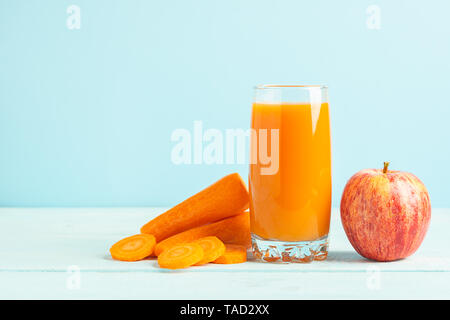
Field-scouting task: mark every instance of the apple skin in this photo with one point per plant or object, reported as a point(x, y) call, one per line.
point(385, 214)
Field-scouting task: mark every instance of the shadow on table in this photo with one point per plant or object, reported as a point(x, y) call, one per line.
point(345, 256)
point(108, 257)
point(333, 256)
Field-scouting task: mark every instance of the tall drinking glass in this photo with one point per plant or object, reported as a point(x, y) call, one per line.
point(290, 173)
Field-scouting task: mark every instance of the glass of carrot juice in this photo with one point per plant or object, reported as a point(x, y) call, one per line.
point(290, 173)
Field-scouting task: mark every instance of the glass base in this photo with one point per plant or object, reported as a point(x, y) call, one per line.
point(283, 251)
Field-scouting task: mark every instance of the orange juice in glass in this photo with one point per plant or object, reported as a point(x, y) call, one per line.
point(290, 173)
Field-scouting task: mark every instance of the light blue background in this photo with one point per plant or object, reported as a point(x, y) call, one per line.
point(86, 115)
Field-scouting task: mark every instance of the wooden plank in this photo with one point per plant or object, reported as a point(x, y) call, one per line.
point(53, 239)
point(39, 246)
point(226, 285)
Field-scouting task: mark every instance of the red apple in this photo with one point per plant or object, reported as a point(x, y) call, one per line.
point(385, 213)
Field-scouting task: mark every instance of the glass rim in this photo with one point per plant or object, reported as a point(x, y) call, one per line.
point(281, 86)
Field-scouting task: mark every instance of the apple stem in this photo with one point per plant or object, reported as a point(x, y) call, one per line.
point(385, 168)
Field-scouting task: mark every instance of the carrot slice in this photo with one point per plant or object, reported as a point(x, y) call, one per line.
point(212, 249)
point(225, 198)
point(234, 230)
point(233, 254)
point(181, 256)
point(133, 248)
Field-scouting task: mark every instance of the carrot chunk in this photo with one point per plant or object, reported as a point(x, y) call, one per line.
point(133, 248)
point(234, 230)
point(233, 254)
point(212, 249)
point(225, 198)
point(181, 256)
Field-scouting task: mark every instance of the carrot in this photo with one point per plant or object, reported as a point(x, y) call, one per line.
point(181, 256)
point(225, 198)
point(233, 254)
point(133, 248)
point(234, 230)
point(212, 249)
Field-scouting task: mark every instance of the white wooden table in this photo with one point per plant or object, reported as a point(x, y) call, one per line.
point(63, 254)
